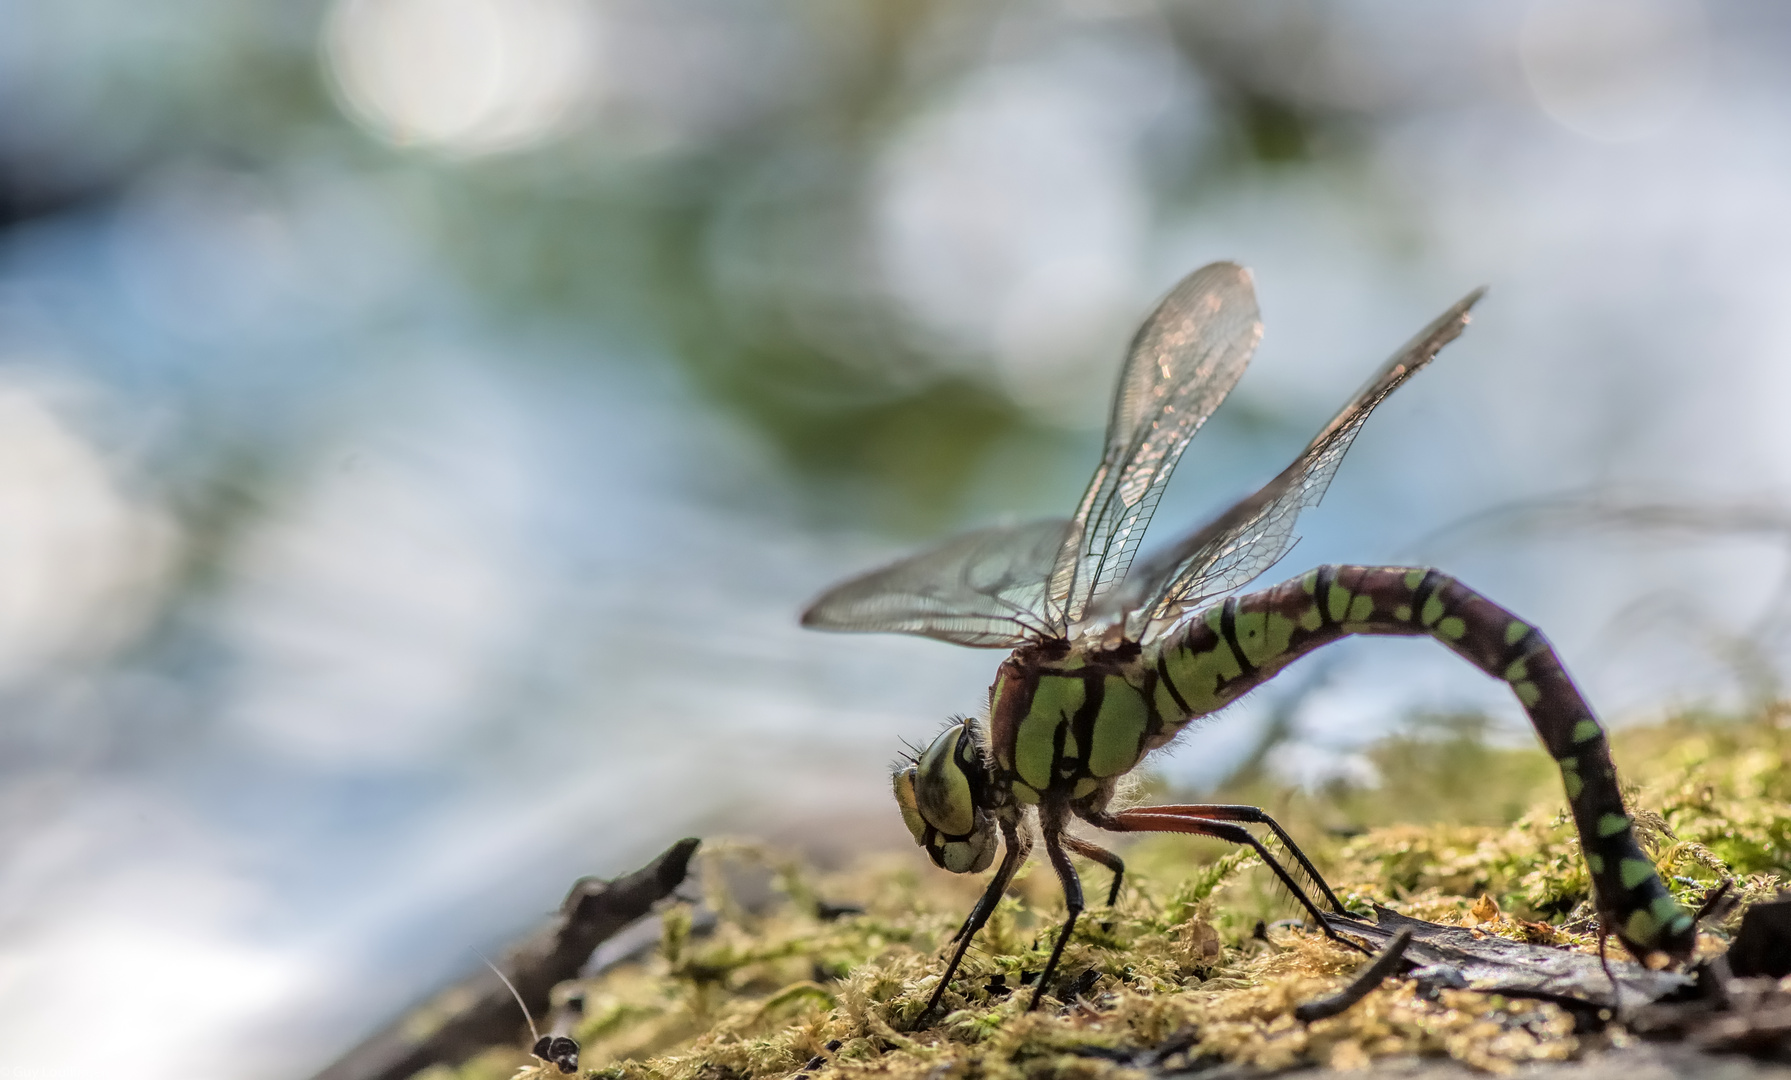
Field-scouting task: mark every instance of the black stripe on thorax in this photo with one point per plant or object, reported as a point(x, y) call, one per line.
point(1228, 629)
point(1175, 693)
point(1321, 594)
point(1094, 691)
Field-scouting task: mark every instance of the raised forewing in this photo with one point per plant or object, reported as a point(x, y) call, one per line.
point(1253, 535)
point(1183, 361)
point(985, 589)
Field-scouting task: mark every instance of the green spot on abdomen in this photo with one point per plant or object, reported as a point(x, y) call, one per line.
point(1433, 610)
point(1361, 608)
point(1309, 583)
point(1198, 675)
point(1263, 635)
point(1586, 730)
point(1527, 692)
point(1570, 777)
point(1452, 628)
point(1612, 824)
point(1118, 729)
point(1515, 631)
point(1403, 613)
point(1337, 602)
point(1634, 871)
point(1414, 578)
point(1641, 927)
point(1311, 619)
point(1518, 671)
point(1595, 861)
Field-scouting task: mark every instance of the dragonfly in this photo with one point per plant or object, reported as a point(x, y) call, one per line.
point(1112, 658)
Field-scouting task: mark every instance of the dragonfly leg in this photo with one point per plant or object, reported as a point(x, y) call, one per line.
point(1014, 852)
point(1096, 853)
point(1154, 819)
point(1072, 899)
point(1604, 936)
point(1255, 815)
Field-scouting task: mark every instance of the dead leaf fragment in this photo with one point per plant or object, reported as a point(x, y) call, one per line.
point(1485, 910)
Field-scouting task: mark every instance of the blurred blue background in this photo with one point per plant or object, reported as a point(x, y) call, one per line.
point(421, 421)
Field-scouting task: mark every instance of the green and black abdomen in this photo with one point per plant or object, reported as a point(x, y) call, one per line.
point(1233, 647)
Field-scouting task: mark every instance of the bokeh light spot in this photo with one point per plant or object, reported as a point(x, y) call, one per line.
point(467, 76)
point(1614, 70)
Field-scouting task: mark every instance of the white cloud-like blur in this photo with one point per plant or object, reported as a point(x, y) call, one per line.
point(81, 561)
point(1615, 70)
point(374, 615)
point(1011, 216)
point(127, 909)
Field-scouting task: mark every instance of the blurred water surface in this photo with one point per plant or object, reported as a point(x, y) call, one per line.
point(421, 420)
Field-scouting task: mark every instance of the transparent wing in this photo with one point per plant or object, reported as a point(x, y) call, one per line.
point(1253, 535)
point(984, 589)
point(1183, 361)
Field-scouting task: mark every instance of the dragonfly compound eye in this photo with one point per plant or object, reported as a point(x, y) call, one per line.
point(942, 783)
point(969, 853)
point(937, 796)
point(904, 793)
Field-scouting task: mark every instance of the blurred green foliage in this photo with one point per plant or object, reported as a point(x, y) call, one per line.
point(738, 252)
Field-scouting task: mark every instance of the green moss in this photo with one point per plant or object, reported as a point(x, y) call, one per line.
point(1457, 831)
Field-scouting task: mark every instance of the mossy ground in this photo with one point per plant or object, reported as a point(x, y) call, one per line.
point(1458, 832)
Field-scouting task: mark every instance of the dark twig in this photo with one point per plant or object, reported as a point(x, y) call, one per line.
point(1372, 975)
point(478, 1012)
point(1716, 903)
point(1496, 965)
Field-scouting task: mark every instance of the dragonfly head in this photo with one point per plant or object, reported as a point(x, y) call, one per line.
point(940, 799)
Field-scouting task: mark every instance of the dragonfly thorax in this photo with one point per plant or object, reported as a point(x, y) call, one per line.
point(943, 798)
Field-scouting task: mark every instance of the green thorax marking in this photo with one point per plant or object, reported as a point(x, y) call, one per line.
point(1046, 728)
point(1066, 724)
point(1117, 739)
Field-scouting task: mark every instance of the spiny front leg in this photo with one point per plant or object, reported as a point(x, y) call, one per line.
point(1052, 827)
point(1096, 853)
point(1176, 819)
point(1255, 815)
point(1015, 849)
point(1248, 639)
